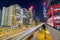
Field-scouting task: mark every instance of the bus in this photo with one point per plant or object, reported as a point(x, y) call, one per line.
point(53, 16)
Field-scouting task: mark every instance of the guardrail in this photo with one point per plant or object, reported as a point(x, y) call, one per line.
point(25, 34)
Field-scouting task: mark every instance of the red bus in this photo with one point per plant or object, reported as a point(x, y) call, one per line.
point(53, 16)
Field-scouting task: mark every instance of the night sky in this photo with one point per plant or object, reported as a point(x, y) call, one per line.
point(25, 4)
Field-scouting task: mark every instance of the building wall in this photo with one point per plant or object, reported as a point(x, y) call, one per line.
point(26, 16)
point(13, 15)
point(9, 16)
point(3, 16)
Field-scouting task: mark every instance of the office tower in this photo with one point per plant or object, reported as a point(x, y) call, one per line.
point(14, 15)
point(19, 15)
point(3, 16)
point(25, 16)
point(8, 16)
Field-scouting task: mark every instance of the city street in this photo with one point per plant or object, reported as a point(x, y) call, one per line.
point(36, 33)
point(19, 34)
point(29, 19)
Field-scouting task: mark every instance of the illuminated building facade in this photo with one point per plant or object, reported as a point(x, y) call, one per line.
point(53, 14)
point(19, 15)
point(25, 16)
point(8, 16)
point(4, 16)
point(14, 15)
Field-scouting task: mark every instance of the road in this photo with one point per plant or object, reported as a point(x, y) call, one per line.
point(22, 35)
point(54, 33)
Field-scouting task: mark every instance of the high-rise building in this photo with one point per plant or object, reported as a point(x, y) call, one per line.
point(3, 16)
point(25, 16)
point(14, 15)
point(19, 15)
point(9, 16)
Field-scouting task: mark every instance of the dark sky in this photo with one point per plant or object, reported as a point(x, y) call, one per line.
point(25, 4)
